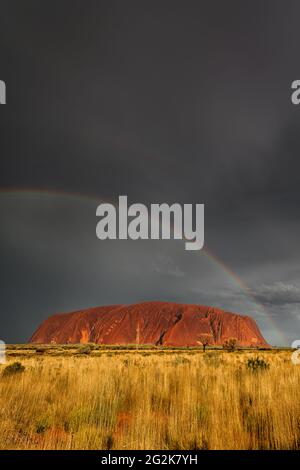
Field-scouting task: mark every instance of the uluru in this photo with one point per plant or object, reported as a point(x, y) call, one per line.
point(157, 323)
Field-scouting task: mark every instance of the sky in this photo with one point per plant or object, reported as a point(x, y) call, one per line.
point(186, 102)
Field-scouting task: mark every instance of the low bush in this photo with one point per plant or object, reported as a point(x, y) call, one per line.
point(40, 350)
point(14, 368)
point(86, 349)
point(257, 364)
point(230, 344)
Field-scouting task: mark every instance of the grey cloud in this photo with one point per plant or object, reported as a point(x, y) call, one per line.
point(163, 103)
point(278, 293)
point(165, 265)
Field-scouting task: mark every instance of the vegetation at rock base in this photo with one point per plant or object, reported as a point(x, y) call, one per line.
point(230, 344)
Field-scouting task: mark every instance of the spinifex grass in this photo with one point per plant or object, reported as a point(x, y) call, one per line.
point(158, 400)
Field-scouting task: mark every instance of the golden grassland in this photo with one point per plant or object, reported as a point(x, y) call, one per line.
point(149, 399)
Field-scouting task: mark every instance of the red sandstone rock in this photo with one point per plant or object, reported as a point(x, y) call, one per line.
point(160, 323)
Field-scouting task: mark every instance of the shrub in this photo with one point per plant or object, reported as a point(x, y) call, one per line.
point(42, 426)
point(14, 368)
point(230, 344)
point(257, 364)
point(40, 350)
point(86, 349)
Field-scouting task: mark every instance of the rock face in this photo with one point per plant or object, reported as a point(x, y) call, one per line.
point(159, 323)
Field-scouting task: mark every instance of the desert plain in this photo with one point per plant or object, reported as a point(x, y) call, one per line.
point(145, 397)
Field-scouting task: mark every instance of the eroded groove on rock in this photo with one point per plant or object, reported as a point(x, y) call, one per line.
point(161, 323)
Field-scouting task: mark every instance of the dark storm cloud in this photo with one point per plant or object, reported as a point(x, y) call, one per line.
point(278, 293)
point(152, 94)
point(163, 102)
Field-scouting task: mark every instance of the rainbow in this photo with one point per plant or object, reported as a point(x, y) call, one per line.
point(238, 281)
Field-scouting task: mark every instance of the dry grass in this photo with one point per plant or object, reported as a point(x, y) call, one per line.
point(150, 400)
